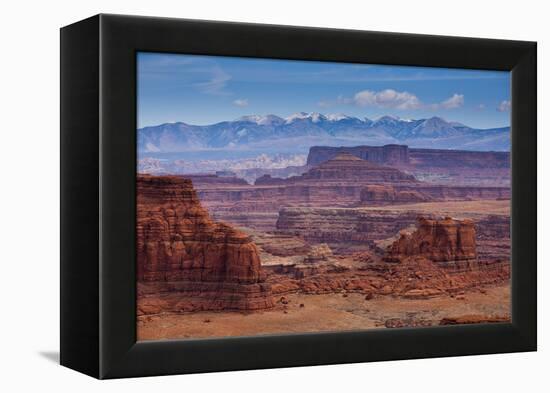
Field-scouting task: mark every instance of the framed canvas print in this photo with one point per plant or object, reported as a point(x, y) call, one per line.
point(239, 196)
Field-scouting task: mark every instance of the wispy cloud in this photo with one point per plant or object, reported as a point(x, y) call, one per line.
point(392, 99)
point(177, 72)
point(242, 102)
point(504, 106)
point(217, 83)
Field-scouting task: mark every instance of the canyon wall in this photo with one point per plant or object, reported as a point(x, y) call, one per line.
point(379, 195)
point(343, 228)
point(402, 155)
point(343, 181)
point(345, 225)
point(437, 166)
point(459, 158)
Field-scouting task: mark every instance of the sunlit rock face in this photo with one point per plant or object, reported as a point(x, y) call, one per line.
point(181, 249)
point(447, 242)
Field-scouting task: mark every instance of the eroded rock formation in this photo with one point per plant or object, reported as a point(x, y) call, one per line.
point(343, 181)
point(414, 278)
point(449, 243)
point(388, 154)
point(342, 225)
point(345, 167)
point(345, 228)
point(318, 253)
point(213, 264)
point(402, 155)
point(449, 167)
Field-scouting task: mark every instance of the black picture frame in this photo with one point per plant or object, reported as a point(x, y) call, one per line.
point(98, 208)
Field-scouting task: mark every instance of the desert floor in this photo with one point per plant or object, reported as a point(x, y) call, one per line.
point(322, 313)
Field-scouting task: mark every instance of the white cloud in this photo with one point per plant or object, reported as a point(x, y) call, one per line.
point(456, 101)
point(387, 99)
point(242, 102)
point(392, 99)
point(504, 106)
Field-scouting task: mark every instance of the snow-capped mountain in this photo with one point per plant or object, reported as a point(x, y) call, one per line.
point(262, 120)
point(299, 131)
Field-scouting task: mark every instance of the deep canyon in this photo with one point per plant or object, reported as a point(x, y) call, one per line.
point(373, 236)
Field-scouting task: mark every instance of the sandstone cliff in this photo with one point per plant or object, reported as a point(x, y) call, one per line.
point(177, 241)
point(449, 243)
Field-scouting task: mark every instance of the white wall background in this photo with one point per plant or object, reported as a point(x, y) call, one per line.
point(29, 218)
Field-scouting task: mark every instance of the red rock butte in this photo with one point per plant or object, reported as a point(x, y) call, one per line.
point(180, 249)
point(347, 167)
point(449, 243)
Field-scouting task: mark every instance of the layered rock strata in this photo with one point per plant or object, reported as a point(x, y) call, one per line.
point(181, 251)
point(342, 181)
point(342, 228)
point(414, 278)
point(388, 154)
point(402, 155)
point(449, 243)
point(345, 167)
point(386, 195)
point(449, 167)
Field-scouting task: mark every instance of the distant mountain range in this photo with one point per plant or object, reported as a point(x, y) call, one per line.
point(296, 133)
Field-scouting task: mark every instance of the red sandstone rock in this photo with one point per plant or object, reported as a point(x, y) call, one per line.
point(471, 319)
point(384, 194)
point(215, 265)
point(449, 243)
point(414, 278)
point(318, 253)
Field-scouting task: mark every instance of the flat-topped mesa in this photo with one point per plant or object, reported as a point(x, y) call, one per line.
point(436, 166)
point(177, 241)
point(402, 155)
point(345, 167)
point(385, 155)
point(448, 242)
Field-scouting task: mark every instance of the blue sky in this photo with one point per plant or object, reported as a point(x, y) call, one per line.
point(209, 89)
